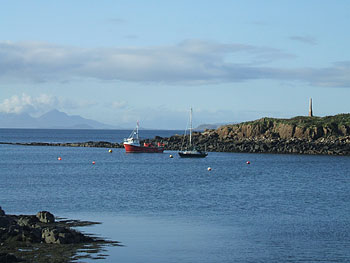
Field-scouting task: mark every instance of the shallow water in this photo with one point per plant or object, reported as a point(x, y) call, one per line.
point(280, 208)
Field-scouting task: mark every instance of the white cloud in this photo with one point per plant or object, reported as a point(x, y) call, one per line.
point(25, 103)
point(189, 62)
point(37, 105)
point(119, 104)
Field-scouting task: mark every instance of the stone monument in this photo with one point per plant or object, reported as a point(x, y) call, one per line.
point(310, 109)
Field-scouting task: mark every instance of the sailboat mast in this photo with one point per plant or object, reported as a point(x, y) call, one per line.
point(191, 127)
point(137, 130)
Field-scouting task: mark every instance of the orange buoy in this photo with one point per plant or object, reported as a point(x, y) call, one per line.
point(59, 158)
point(170, 156)
point(110, 150)
point(209, 169)
point(248, 162)
point(93, 162)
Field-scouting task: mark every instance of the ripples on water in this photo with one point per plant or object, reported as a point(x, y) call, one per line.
point(280, 208)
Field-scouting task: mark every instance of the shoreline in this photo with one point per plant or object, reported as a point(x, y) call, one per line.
point(211, 142)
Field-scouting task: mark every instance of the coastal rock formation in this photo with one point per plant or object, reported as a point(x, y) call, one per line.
point(36, 229)
point(2, 212)
point(310, 128)
point(302, 135)
point(45, 217)
point(213, 142)
point(8, 258)
point(62, 235)
point(42, 237)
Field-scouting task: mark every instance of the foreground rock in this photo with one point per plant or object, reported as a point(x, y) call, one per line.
point(40, 238)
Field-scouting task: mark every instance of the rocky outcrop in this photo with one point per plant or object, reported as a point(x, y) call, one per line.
point(309, 128)
point(45, 217)
point(37, 229)
point(2, 212)
point(61, 235)
point(8, 258)
point(213, 142)
point(45, 239)
point(301, 135)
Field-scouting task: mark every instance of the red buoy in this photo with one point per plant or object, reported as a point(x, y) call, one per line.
point(59, 158)
point(248, 162)
point(93, 162)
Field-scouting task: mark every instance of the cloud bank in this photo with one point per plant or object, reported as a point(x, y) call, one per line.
point(189, 62)
point(25, 103)
point(40, 104)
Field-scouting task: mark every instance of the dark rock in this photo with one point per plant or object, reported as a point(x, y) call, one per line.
point(8, 258)
point(2, 212)
point(29, 221)
point(32, 235)
point(50, 236)
point(45, 217)
point(26, 231)
point(5, 221)
point(13, 234)
point(61, 235)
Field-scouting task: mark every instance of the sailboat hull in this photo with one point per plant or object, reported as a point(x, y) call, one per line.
point(192, 155)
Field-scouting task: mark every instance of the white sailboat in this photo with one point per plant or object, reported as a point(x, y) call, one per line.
point(191, 151)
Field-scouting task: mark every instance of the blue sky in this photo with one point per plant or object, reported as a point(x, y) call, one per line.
point(123, 61)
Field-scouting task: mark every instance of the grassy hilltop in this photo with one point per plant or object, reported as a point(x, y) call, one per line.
point(303, 121)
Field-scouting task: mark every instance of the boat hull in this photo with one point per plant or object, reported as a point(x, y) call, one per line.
point(192, 155)
point(142, 149)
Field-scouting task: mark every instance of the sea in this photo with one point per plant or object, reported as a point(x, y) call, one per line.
point(278, 208)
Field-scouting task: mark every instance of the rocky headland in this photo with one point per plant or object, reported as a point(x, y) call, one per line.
point(42, 238)
point(300, 135)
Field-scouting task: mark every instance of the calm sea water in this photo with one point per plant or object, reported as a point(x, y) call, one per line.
point(64, 135)
point(280, 208)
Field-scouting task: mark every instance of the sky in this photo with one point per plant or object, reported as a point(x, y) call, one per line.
point(122, 61)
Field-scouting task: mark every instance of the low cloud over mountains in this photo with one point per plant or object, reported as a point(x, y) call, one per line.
point(53, 119)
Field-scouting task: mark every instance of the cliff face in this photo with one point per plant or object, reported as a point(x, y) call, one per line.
point(309, 128)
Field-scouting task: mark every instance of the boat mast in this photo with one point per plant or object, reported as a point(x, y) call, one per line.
point(137, 130)
point(191, 127)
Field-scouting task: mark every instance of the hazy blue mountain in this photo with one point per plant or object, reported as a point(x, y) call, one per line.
point(53, 119)
point(12, 120)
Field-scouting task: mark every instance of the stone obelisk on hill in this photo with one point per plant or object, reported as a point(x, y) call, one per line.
point(310, 109)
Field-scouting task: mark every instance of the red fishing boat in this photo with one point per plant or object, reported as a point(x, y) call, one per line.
point(133, 145)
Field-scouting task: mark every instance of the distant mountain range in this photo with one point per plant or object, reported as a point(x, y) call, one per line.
point(56, 119)
point(53, 119)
